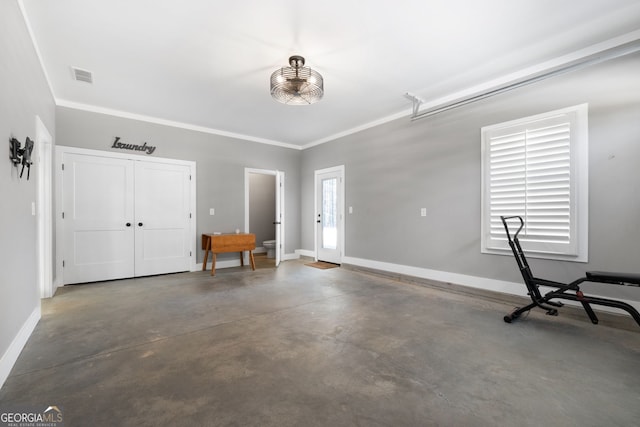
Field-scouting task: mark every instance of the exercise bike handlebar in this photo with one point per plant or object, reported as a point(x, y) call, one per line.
point(506, 227)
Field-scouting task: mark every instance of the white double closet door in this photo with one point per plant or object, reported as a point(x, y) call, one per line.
point(124, 218)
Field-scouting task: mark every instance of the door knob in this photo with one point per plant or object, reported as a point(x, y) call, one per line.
point(128, 224)
point(140, 224)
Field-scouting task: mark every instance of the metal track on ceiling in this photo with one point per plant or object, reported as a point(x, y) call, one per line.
point(617, 52)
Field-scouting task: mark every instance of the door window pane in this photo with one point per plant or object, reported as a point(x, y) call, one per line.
point(329, 213)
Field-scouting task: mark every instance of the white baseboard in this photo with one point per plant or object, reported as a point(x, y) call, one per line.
point(289, 257)
point(236, 262)
point(441, 276)
point(511, 288)
point(259, 250)
point(10, 356)
point(305, 252)
point(227, 263)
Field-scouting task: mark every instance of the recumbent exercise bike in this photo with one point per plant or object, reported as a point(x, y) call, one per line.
point(569, 291)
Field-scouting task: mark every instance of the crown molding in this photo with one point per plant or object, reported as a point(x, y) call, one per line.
point(35, 47)
point(149, 119)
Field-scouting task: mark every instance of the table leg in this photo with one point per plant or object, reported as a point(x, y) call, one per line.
point(241, 259)
point(206, 254)
point(213, 263)
point(253, 262)
point(206, 258)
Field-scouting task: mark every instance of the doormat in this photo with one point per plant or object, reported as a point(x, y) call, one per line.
point(322, 265)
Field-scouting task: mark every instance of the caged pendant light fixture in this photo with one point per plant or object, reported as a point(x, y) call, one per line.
point(296, 84)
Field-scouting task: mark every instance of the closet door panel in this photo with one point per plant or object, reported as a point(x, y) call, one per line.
point(97, 205)
point(162, 225)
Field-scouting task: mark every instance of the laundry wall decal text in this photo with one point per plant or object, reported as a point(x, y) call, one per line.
point(122, 146)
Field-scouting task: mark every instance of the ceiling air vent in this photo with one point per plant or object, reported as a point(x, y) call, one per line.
point(82, 75)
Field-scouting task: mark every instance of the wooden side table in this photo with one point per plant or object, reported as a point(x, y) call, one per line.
point(228, 242)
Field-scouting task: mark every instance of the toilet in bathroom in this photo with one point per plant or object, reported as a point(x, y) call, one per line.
point(270, 246)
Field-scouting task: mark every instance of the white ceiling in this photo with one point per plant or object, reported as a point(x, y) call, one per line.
point(206, 63)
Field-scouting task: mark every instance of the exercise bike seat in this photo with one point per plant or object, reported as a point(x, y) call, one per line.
point(605, 276)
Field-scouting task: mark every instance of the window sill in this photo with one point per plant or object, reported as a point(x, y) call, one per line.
point(539, 255)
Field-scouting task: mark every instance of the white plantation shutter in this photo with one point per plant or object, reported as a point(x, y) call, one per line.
point(530, 177)
point(529, 169)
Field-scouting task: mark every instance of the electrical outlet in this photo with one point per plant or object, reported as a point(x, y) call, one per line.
point(212, 211)
point(350, 209)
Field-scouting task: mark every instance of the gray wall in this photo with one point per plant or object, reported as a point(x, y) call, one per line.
point(220, 163)
point(395, 169)
point(262, 206)
point(23, 95)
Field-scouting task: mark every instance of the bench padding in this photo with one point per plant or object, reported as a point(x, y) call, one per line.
point(605, 276)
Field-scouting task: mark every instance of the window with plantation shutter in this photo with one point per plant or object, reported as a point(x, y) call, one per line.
point(536, 168)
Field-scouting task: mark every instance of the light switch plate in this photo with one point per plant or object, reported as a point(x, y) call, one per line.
point(423, 211)
point(212, 211)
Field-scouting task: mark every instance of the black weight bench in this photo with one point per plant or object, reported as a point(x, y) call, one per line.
point(569, 291)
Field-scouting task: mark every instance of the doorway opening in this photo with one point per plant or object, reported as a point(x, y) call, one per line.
point(264, 214)
point(329, 210)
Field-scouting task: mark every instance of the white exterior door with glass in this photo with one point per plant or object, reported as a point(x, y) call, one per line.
point(329, 184)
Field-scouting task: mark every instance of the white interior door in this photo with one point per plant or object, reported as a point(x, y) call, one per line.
point(278, 221)
point(162, 218)
point(329, 214)
point(98, 218)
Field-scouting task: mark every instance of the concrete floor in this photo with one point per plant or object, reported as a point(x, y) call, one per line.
point(299, 346)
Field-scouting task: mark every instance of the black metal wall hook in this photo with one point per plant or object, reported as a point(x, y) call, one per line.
point(19, 155)
point(14, 149)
